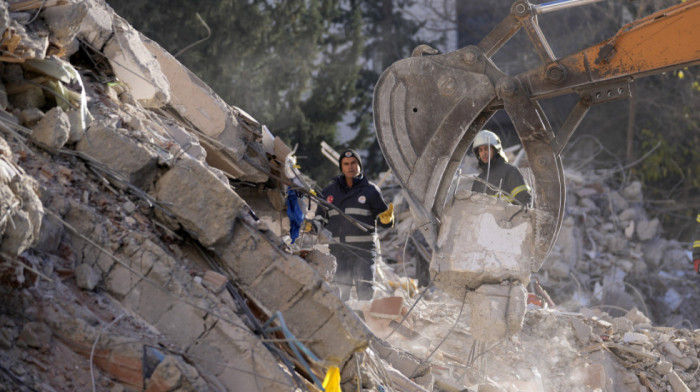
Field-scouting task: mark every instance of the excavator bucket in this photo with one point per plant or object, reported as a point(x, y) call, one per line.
point(428, 109)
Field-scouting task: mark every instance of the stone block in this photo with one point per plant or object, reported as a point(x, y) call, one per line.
point(182, 324)
point(149, 301)
point(121, 280)
point(248, 254)
point(128, 157)
point(200, 202)
point(284, 283)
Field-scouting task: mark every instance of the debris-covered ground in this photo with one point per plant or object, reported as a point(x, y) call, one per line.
point(142, 225)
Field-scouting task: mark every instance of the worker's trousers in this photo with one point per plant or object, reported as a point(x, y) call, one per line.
point(355, 268)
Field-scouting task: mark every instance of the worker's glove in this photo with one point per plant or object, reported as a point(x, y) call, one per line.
point(387, 216)
point(697, 265)
point(312, 226)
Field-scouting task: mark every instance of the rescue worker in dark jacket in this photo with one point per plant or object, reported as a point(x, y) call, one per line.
point(504, 179)
point(353, 248)
point(696, 245)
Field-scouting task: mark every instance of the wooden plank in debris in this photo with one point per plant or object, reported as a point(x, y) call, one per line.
point(645, 381)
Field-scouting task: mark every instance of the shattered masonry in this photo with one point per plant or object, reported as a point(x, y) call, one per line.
point(127, 260)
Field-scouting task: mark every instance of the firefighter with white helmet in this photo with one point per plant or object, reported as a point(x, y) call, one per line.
point(498, 177)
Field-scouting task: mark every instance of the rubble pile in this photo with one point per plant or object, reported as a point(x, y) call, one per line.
point(142, 247)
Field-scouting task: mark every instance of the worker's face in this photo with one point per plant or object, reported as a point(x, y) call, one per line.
point(486, 152)
point(350, 167)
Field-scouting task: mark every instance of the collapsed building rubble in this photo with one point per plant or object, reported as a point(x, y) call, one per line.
point(135, 254)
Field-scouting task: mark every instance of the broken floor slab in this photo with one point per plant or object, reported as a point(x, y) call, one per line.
point(228, 138)
point(133, 64)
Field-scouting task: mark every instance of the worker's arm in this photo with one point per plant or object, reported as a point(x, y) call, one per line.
point(518, 189)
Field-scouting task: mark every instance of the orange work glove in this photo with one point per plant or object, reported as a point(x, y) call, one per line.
point(387, 216)
point(697, 265)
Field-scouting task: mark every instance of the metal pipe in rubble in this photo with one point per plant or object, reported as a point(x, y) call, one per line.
point(558, 5)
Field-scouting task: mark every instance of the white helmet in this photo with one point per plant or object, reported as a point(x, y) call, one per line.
point(487, 137)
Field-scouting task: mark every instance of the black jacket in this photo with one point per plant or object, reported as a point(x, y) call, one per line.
point(504, 177)
point(362, 202)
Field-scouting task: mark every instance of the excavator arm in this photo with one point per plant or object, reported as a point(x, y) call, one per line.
point(428, 108)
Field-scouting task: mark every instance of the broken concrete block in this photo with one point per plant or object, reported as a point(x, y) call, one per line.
point(200, 105)
point(408, 364)
point(30, 97)
point(636, 338)
point(31, 116)
point(622, 325)
point(53, 129)
point(323, 263)
point(199, 201)
point(583, 331)
point(86, 277)
point(135, 65)
point(501, 249)
point(172, 373)
point(489, 321)
point(637, 317)
point(64, 21)
point(129, 158)
point(677, 384)
point(21, 208)
point(96, 27)
point(182, 324)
